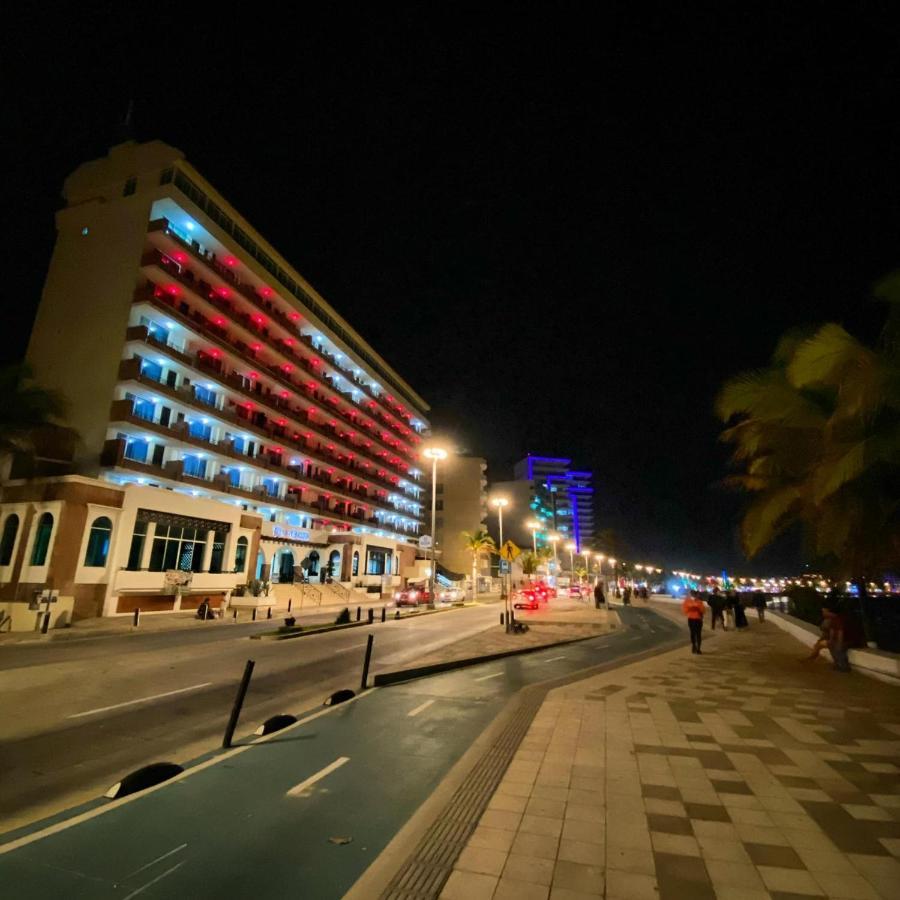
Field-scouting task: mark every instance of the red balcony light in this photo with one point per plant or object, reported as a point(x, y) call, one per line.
point(266, 291)
point(172, 289)
point(289, 342)
point(218, 320)
point(254, 375)
point(230, 261)
point(295, 317)
point(287, 367)
point(256, 347)
point(308, 436)
point(315, 361)
point(277, 450)
point(282, 421)
point(330, 471)
point(285, 394)
point(216, 354)
point(332, 422)
point(259, 320)
point(311, 411)
point(223, 292)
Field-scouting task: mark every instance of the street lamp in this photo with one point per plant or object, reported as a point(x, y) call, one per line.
point(612, 563)
point(555, 539)
point(434, 454)
point(534, 527)
point(500, 503)
point(571, 548)
point(587, 564)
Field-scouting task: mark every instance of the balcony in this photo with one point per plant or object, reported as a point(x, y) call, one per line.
point(199, 324)
point(256, 327)
point(113, 456)
point(130, 370)
point(122, 411)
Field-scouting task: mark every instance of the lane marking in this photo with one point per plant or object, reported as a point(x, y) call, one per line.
point(420, 708)
point(143, 888)
point(90, 712)
point(86, 816)
point(485, 677)
point(555, 658)
point(155, 861)
point(300, 788)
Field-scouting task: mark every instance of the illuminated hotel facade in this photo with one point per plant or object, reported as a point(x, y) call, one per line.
point(195, 360)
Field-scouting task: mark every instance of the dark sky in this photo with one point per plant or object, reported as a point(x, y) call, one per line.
point(564, 233)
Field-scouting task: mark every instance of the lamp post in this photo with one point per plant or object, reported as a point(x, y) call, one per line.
point(587, 564)
point(434, 454)
point(554, 539)
point(571, 548)
point(612, 562)
point(534, 527)
point(500, 503)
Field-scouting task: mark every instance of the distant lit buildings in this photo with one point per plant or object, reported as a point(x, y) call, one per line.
point(232, 424)
point(461, 507)
point(547, 489)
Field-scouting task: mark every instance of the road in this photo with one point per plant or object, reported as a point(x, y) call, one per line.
point(258, 821)
point(75, 717)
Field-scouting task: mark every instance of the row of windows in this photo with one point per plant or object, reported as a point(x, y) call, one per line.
point(42, 534)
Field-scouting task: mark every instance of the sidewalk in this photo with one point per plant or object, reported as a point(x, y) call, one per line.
point(738, 774)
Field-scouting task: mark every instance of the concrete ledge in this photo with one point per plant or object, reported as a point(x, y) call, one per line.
point(386, 678)
point(875, 663)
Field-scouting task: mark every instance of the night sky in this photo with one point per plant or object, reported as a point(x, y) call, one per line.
point(564, 233)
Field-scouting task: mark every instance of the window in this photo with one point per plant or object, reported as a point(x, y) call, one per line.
point(439, 505)
point(195, 466)
point(130, 186)
point(177, 547)
point(166, 175)
point(200, 429)
point(205, 395)
point(313, 563)
point(217, 557)
point(8, 540)
point(136, 449)
point(378, 561)
point(42, 540)
point(240, 554)
point(355, 563)
point(151, 370)
point(439, 488)
point(137, 546)
point(98, 542)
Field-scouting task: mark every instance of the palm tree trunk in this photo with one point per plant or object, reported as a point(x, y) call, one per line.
point(474, 576)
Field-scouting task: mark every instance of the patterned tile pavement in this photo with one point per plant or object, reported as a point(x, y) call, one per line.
point(738, 774)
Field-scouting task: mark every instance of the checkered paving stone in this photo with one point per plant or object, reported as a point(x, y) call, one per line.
point(739, 774)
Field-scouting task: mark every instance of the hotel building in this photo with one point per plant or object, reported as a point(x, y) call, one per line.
point(230, 421)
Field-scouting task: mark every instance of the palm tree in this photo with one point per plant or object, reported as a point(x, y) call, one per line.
point(816, 440)
point(529, 562)
point(25, 408)
point(477, 542)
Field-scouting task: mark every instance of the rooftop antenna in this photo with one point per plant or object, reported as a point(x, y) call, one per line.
point(125, 129)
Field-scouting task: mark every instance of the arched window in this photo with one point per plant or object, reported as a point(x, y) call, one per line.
point(42, 540)
point(334, 564)
point(240, 554)
point(98, 543)
point(355, 563)
point(8, 540)
point(313, 563)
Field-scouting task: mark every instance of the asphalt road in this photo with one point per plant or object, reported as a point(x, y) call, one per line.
point(76, 716)
point(258, 822)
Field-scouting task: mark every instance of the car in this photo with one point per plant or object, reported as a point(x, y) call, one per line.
point(527, 600)
point(412, 596)
point(576, 590)
point(451, 595)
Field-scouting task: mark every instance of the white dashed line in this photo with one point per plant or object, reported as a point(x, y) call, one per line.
point(298, 789)
point(90, 712)
point(150, 883)
point(485, 677)
point(554, 659)
point(421, 708)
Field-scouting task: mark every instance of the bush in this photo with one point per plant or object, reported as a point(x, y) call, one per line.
point(343, 617)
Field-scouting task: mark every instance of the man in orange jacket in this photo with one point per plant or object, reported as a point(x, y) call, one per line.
point(693, 607)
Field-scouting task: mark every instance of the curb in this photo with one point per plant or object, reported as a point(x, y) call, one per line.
point(382, 679)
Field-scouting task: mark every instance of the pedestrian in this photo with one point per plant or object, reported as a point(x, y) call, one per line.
point(740, 617)
point(759, 601)
point(203, 609)
point(599, 596)
point(717, 610)
point(626, 596)
point(692, 607)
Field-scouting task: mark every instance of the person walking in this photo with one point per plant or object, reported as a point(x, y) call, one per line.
point(693, 608)
point(740, 617)
point(759, 601)
point(717, 610)
point(599, 596)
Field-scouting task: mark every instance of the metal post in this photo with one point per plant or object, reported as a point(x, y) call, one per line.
point(502, 618)
point(383, 615)
point(290, 603)
point(371, 615)
point(234, 615)
point(358, 613)
point(137, 618)
point(433, 536)
point(366, 661)
point(238, 703)
point(45, 625)
point(269, 613)
point(254, 613)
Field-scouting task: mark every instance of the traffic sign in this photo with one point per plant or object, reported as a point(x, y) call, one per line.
point(509, 551)
point(425, 541)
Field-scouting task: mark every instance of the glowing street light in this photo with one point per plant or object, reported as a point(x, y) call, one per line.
point(434, 454)
point(587, 564)
point(555, 539)
point(571, 548)
point(500, 503)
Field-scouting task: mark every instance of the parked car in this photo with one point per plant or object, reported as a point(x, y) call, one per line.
point(412, 596)
point(451, 595)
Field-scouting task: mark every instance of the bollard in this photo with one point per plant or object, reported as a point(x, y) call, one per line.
point(502, 619)
point(383, 615)
point(358, 612)
point(238, 703)
point(254, 613)
point(234, 616)
point(366, 661)
point(46, 623)
point(290, 601)
point(269, 613)
point(137, 618)
point(371, 615)
point(397, 614)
